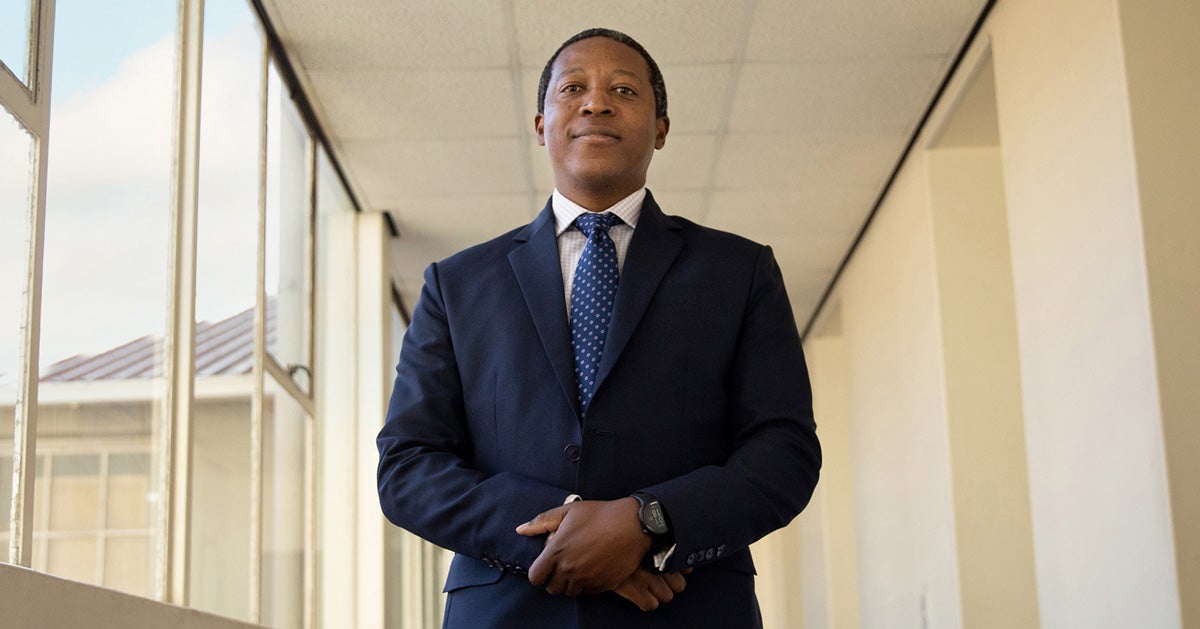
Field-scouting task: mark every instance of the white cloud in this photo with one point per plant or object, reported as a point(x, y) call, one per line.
point(107, 224)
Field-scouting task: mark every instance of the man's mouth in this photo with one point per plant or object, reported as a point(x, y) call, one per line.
point(595, 134)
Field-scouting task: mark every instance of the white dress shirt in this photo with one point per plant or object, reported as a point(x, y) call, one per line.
point(571, 241)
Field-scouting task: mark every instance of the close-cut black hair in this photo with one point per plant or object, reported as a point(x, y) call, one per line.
point(656, 77)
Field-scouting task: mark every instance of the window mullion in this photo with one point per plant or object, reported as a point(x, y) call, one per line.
point(174, 518)
point(37, 112)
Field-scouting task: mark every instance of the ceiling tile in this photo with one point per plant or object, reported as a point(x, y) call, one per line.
point(835, 97)
point(435, 167)
point(700, 31)
point(795, 162)
point(385, 34)
point(790, 30)
point(683, 162)
point(696, 96)
point(686, 203)
point(416, 104)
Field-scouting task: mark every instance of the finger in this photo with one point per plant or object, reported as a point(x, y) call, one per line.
point(639, 596)
point(541, 569)
point(556, 585)
point(573, 588)
point(686, 571)
point(660, 590)
point(544, 522)
point(675, 581)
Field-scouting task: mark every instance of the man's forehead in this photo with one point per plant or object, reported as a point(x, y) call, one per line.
point(583, 55)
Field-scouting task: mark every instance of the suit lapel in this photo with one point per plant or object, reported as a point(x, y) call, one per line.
point(539, 274)
point(651, 252)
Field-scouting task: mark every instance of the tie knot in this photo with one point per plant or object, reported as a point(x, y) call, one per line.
point(589, 222)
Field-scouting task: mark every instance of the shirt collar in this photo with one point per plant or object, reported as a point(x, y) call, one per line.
point(566, 210)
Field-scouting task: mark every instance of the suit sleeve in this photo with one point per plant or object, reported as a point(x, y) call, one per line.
point(776, 458)
point(427, 483)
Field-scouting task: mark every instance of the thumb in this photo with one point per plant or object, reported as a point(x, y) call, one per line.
point(544, 522)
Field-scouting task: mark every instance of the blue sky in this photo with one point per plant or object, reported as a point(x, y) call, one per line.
point(14, 35)
point(95, 37)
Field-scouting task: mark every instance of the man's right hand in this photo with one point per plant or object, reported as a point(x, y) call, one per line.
point(648, 589)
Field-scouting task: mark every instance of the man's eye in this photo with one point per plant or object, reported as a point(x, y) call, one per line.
point(572, 88)
point(624, 90)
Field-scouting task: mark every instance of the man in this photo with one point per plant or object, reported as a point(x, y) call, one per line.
point(600, 411)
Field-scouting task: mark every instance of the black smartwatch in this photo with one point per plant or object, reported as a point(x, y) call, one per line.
point(651, 515)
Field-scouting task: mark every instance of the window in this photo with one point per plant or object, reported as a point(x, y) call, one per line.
point(289, 230)
point(16, 181)
point(15, 25)
point(106, 266)
point(94, 522)
point(226, 294)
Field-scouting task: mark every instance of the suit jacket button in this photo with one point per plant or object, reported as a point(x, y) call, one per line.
point(691, 559)
point(572, 452)
point(721, 550)
point(710, 553)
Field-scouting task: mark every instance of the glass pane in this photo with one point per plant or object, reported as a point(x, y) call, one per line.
point(106, 264)
point(283, 508)
point(15, 25)
point(127, 565)
point(75, 492)
point(227, 230)
point(289, 221)
point(227, 263)
point(220, 542)
point(129, 491)
point(16, 183)
point(6, 478)
point(72, 557)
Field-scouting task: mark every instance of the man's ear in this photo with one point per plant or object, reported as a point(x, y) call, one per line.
point(538, 125)
point(662, 125)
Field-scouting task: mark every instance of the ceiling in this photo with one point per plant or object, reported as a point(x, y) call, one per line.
point(787, 117)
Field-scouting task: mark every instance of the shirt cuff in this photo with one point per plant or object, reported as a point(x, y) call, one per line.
point(572, 498)
point(662, 557)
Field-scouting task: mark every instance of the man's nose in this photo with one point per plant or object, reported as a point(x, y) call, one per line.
point(597, 103)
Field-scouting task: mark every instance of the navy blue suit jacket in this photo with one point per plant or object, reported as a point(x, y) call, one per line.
point(703, 400)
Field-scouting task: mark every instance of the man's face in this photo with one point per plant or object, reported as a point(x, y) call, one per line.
point(599, 125)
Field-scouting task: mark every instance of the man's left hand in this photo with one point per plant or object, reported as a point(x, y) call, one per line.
point(595, 546)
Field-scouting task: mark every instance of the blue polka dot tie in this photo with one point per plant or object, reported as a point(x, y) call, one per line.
point(592, 294)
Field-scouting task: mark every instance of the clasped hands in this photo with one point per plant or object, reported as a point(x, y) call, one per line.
point(595, 546)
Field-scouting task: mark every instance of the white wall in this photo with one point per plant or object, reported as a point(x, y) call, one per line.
point(897, 418)
point(1101, 515)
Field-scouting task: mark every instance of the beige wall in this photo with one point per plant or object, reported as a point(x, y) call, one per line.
point(1162, 60)
point(982, 387)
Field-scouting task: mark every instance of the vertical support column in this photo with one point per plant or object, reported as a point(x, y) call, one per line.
point(20, 548)
point(833, 540)
point(1162, 65)
point(180, 342)
point(374, 322)
point(336, 396)
point(983, 388)
point(1102, 523)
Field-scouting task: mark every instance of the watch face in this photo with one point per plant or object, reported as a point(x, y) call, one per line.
point(653, 518)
